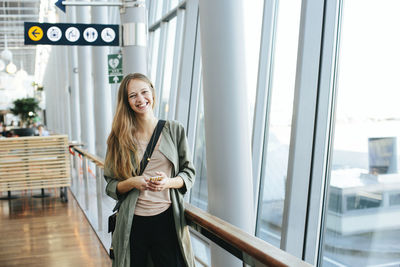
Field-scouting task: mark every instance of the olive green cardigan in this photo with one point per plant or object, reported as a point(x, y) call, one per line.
point(174, 147)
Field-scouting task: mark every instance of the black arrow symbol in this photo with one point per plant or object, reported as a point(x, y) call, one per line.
point(34, 33)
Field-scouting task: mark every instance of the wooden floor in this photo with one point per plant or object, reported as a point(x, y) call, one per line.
point(46, 232)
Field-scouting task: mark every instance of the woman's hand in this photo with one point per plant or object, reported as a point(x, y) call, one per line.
point(159, 185)
point(139, 182)
point(127, 185)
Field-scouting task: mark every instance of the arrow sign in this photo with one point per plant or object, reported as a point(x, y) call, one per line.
point(60, 5)
point(114, 79)
point(35, 33)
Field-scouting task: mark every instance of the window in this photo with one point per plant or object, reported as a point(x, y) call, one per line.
point(363, 200)
point(169, 60)
point(154, 55)
point(159, 5)
point(366, 127)
point(335, 202)
point(199, 193)
point(174, 3)
point(274, 170)
point(252, 31)
point(394, 199)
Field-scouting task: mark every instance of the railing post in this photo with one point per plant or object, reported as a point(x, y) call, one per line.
point(85, 181)
point(103, 183)
point(99, 198)
point(77, 172)
point(71, 167)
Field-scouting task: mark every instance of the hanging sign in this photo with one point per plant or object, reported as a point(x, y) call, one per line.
point(115, 68)
point(35, 33)
point(71, 34)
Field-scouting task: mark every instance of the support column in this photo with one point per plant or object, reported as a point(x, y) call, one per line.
point(63, 85)
point(86, 86)
point(114, 17)
point(64, 94)
point(228, 142)
point(48, 84)
point(102, 102)
point(134, 47)
point(73, 82)
point(54, 84)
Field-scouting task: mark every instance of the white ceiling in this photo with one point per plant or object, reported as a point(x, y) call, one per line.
point(13, 13)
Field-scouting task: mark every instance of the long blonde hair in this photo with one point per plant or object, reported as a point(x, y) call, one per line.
point(122, 148)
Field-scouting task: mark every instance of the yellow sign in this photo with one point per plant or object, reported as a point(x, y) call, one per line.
point(35, 33)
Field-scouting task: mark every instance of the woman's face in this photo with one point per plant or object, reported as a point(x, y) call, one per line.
point(140, 96)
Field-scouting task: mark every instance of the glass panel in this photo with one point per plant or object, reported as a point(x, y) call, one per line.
point(199, 193)
point(252, 31)
point(202, 251)
point(269, 221)
point(159, 9)
point(169, 60)
point(154, 55)
point(335, 202)
point(365, 231)
point(174, 3)
point(363, 200)
point(394, 199)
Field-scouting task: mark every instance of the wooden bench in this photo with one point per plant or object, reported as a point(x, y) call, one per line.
point(34, 163)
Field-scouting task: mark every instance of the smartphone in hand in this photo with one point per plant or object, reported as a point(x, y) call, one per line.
point(155, 178)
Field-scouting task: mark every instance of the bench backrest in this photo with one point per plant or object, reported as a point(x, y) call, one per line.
point(34, 162)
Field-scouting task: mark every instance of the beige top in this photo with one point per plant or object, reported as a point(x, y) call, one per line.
point(152, 203)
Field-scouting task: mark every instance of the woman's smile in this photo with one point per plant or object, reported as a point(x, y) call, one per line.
point(140, 96)
point(143, 105)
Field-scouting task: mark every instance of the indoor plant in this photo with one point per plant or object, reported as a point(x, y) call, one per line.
point(26, 109)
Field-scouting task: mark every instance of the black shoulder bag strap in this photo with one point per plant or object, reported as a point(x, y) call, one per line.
point(147, 154)
point(151, 145)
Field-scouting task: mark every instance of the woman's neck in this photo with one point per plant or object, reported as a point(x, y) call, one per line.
point(146, 125)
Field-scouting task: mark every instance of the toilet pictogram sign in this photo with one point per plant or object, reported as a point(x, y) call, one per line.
point(71, 34)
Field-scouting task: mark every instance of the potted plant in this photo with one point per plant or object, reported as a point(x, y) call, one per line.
point(26, 109)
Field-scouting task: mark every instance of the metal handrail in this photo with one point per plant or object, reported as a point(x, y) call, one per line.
point(250, 249)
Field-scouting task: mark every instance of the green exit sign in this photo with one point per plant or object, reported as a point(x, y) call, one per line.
point(114, 68)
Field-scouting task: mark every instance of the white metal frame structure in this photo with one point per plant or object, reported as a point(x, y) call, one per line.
point(262, 108)
point(313, 113)
point(303, 121)
point(323, 131)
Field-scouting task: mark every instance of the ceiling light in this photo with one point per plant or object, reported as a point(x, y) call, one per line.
point(6, 55)
point(22, 73)
point(2, 65)
point(11, 68)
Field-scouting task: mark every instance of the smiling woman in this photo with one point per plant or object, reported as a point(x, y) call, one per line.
point(150, 193)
